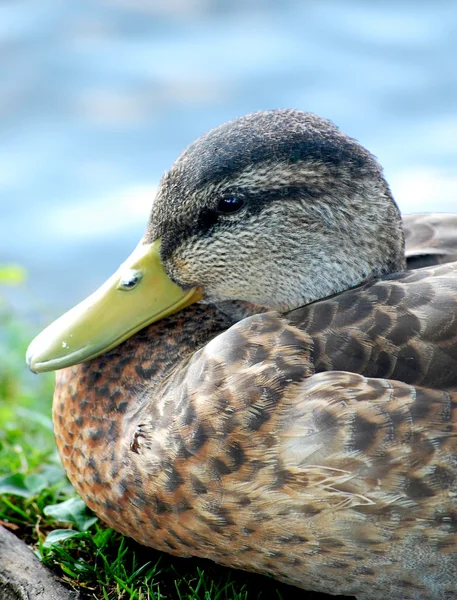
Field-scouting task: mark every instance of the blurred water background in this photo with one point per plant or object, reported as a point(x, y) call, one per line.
point(97, 98)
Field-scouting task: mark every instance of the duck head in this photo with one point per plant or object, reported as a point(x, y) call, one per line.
point(277, 208)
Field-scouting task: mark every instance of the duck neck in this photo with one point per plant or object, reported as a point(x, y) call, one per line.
point(113, 381)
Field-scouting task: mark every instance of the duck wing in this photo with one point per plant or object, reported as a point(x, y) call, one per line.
point(334, 481)
point(371, 464)
point(430, 239)
point(402, 327)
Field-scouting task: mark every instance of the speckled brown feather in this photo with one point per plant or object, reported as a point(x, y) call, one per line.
point(402, 327)
point(329, 481)
point(317, 445)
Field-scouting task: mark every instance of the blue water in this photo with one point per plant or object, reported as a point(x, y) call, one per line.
point(97, 98)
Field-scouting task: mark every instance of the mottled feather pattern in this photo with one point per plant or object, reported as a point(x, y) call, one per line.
point(247, 457)
point(402, 327)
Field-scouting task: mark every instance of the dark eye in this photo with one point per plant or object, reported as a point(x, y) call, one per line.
point(230, 205)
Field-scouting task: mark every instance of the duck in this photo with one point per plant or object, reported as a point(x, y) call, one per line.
point(270, 380)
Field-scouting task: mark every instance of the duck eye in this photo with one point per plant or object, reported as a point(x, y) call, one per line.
point(130, 280)
point(230, 205)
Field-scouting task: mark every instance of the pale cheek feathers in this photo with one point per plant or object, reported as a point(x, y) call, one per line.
point(248, 263)
point(282, 258)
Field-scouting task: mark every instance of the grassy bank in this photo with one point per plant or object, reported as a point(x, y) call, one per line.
point(39, 505)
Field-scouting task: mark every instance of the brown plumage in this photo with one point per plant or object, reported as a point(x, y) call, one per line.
point(317, 444)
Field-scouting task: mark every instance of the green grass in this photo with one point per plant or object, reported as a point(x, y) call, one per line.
point(39, 505)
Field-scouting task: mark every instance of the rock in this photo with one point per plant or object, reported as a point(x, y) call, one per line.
point(24, 577)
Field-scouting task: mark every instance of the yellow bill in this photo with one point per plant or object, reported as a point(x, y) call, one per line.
point(139, 293)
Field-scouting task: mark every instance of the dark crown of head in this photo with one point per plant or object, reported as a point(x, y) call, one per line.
point(281, 137)
point(287, 136)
